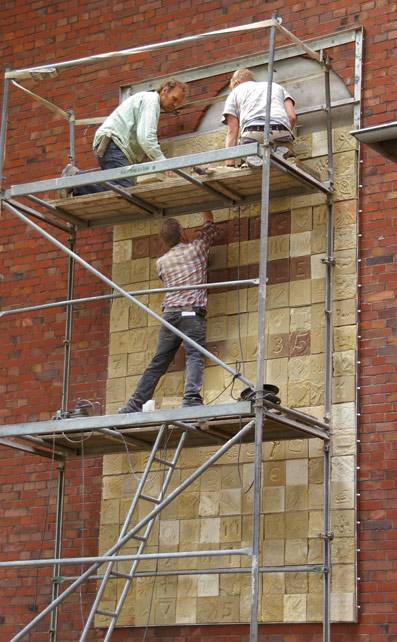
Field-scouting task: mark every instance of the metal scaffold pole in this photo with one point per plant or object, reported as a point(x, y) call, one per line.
point(3, 130)
point(53, 631)
point(67, 342)
point(329, 264)
point(260, 363)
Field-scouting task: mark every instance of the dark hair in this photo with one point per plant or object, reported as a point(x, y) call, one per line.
point(171, 232)
point(172, 83)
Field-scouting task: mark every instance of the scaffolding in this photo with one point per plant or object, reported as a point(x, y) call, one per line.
point(224, 425)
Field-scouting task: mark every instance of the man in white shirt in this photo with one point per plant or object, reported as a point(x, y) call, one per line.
point(245, 109)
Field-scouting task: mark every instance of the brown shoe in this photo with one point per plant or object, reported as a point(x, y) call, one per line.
point(69, 170)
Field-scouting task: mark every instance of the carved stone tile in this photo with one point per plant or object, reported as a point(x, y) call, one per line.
point(273, 552)
point(300, 292)
point(210, 530)
point(274, 526)
point(345, 237)
point(344, 363)
point(230, 501)
point(278, 271)
point(230, 529)
point(299, 394)
point(278, 247)
point(299, 343)
point(279, 223)
point(272, 608)
point(296, 472)
point(186, 610)
point(342, 495)
point(278, 321)
point(274, 499)
point(277, 346)
point(117, 365)
point(343, 388)
point(296, 551)
point(296, 498)
point(342, 607)
point(300, 244)
point(274, 473)
point(301, 219)
point(345, 287)
point(209, 504)
point(300, 267)
point(345, 213)
point(343, 523)
point(343, 550)
point(278, 296)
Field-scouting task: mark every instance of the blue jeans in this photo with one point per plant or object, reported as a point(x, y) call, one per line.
point(168, 343)
point(113, 157)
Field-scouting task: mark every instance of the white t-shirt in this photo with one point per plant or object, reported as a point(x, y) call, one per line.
point(248, 103)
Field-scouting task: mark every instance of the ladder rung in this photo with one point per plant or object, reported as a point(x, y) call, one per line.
point(160, 460)
point(140, 537)
point(121, 575)
point(107, 613)
point(149, 498)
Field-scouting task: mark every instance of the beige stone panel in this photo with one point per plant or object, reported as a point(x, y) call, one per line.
point(316, 496)
point(274, 473)
point(115, 390)
point(279, 247)
point(209, 504)
point(299, 368)
point(208, 585)
point(345, 262)
point(318, 164)
point(114, 464)
point(117, 366)
point(343, 388)
point(344, 363)
point(274, 499)
point(156, 301)
point(314, 607)
point(299, 394)
point(300, 319)
point(343, 416)
point(344, 443)
point(164, 611)
point(343, 550)
point(302, 146)
point(319, 143)
point(236, 326)
point(210, 530)
point(110, 511)
point(119, 315)
point(300, 292)
point(317, 341)
point(189, 532)
point(111, 487)
point(345, 312)
point(274, 526)
point(236, 301)
point(188, 505)
point(211, 479)
point(345, 286)
point(345, 213)
point(296, 498)
point(343, 523)
point(230, 477)
point(274, 450)
point(102, 621)
point(301, 220)
point(296, 551)
point(342, 607)
point(112, 408)
point(318, 290)
point(218, 257)
point(230, 529)
point(186, 586)
point(300, 244)
point(317, 315)
point(217, 328)
point(278, 321)
point(272, 608)
point(166, 586)
point(230, 501)
point(121, 273)
point(186, 610)
point(217, 303)
point(207, 610)
point(273, 583)
point(229, 609)
point(169, 532)
point(345, 237)
point(122, 251)
point(342, 495)
point(343, 469)
point(108, 535)
point(317, 266)
point(343, 140)
point(137, 362)
point(345, 337)
point(316, 470)
point(277, 374)
point(319, 215)
point(296, 448)
point(296, 524)
point(342, 578)
point(273, 552)
point(295, 608)
point(316, 552)
point(316, 523)
point(316, 446)
point(278, 295)
point(252, 299)
point(296, 583)
point(318, 239)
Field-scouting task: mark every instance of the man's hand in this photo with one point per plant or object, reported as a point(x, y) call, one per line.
point(170, 174)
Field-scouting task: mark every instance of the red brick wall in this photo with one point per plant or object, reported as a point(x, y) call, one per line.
point(32, 271)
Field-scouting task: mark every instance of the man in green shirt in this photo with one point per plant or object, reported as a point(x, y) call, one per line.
point(129, 135)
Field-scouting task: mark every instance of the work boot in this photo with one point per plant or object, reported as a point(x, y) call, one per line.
point(130, 406)
point(69, 170)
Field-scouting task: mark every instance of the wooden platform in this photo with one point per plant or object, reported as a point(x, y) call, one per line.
point(209, 425)
point(174, 196)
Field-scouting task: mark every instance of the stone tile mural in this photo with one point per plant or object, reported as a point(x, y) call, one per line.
point(215, 512)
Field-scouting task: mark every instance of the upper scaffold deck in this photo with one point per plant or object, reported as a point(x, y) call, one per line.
point(207, 425)
point(187, 193)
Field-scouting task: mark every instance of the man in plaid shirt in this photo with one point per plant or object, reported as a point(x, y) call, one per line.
point(185, 263)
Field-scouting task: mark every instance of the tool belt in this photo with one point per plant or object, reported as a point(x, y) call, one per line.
point(100, 150)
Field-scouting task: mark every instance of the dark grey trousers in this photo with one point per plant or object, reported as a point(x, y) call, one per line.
point(168, 343)
point(113, 157)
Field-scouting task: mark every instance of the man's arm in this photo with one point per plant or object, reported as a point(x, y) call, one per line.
point(231, 135)
point(290, 109)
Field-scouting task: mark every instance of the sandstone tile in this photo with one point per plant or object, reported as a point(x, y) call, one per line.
point(316, 523)
point(230, 529)
point(299, 368)
point(319, 215)
point(296, 551)
point(318, 291)
point(296, 524)
point(345, 213)
point(209, 530)
point(164, 611)
point(296, 448)
point(345, 337)
point(343, 523)
point(274, 526)
point(119, 315)
point(208, 585)
point(315, 555)
point(344, 363)
point(345, 237)
point(299, 394)
point(273, 552)
point(296, 498)
point(279, 223)
point(316, 470)
point(301, 219)
point(117, 366)
point(342, 607)
point(136, 363)
point(169, 532)
point(272, 608)
point(278, 321)
point(296, 472)
point(274, 473)
point(317, 266)
point(299, 343)
point(279, 247)
point(121, 272)
point(115, 390)
point(110, 511)
point(300, 318)
point(343, 469)
point(314, 607)
point(278, 295)
point(342, 578)
point(186, 610)
point(273, 583)
point(296, 583)
point(189, 531)
point(217, 303)
point(229, 608)
point(277, 345)
point(278, 271)
point(273, 450)
point(342, 495)
point(274, 499)
point(230, 501)
point(318, 239)
point(343, 416)
point(209, 504)
point(343, 388)
point(345, 312)
point(300, 292)
point(300, 244)
point(295, 608)
point(345, 286)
